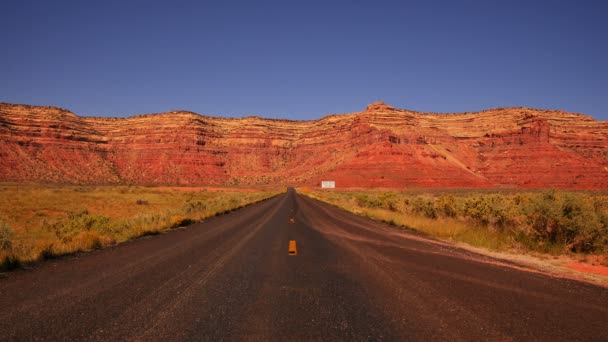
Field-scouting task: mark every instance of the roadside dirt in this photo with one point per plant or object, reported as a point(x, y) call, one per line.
point(585, 267)
point(555, 266)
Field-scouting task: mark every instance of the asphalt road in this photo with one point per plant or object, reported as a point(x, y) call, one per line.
point(232, 278)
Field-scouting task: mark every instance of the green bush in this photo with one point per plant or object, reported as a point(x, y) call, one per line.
point(423, 206)
point(568, 220)
point(581, 227)
point(81, 221)
point(487, 210)
point(543, 216)
point(447, 206)
point(388, 200)
point(385, 200)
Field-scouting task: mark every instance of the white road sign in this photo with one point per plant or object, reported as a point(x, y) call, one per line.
point(328, 185)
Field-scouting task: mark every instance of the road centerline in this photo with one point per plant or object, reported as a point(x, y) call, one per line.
point(292, 248)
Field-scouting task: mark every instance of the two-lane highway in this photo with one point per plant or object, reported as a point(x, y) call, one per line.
point(233, 278)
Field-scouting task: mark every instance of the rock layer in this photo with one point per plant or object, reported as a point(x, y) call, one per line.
point(379, 147)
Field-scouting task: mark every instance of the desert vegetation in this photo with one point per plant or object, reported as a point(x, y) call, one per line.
point(42, 222)
point(553, 222)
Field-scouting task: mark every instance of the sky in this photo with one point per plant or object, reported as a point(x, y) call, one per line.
point(304, 59)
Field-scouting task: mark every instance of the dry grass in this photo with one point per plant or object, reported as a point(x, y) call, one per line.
point(39, 222)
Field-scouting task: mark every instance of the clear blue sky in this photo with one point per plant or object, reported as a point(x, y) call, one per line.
point(304, 59)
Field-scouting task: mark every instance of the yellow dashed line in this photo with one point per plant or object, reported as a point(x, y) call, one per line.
point(292, 247)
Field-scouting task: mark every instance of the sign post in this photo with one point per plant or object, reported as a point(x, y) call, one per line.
point(328, 185)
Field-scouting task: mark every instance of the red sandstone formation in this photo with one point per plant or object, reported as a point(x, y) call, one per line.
point(379, 147)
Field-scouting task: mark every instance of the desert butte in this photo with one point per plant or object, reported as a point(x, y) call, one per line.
point(380, 147)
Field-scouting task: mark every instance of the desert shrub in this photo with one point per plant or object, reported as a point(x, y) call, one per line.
point(81, 221)
point(89, 240)
point(367, 201)
point(234, 203)
point(476, 209)
point(6, 236)
point(388, 200)
point(600, 206)
point(140, 201)
point(579, 227)
point(486, 210)
point(519, 199)
point(78, 213)
point(569, 221)
point(192, 206)
point(543, 216)
point(550, 195)
point(423, 206)
point(447, 206)
point(143, 226)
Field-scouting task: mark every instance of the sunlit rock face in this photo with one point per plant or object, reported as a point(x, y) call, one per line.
point(379, 147)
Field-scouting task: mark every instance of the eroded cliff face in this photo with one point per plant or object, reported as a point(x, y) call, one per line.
point(379, 147)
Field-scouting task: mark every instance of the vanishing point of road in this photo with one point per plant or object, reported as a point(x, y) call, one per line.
point(233, 277)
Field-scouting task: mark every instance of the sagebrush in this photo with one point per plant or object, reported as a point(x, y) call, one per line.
point(549, 221)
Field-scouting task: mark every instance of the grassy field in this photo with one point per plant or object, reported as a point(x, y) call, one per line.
point(38, 222)
point(553, 222)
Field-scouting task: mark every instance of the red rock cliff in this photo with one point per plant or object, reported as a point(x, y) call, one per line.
point(379, 147)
